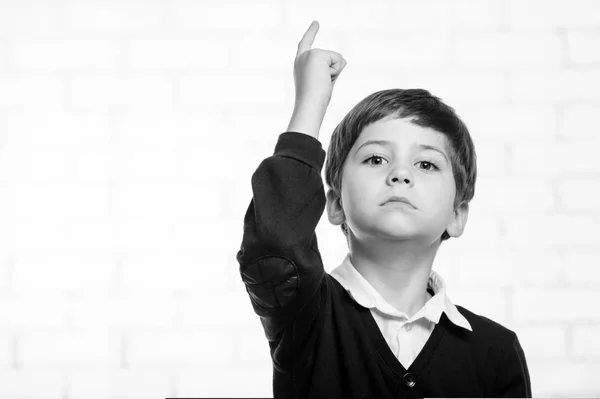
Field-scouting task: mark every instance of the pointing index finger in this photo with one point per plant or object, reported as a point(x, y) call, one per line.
point(308, 38)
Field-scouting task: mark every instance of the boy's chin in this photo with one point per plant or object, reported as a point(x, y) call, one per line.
point(400, 233)
point(387, 231)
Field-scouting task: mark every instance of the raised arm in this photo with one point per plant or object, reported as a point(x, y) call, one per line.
point(280, 263)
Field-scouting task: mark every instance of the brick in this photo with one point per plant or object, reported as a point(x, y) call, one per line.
point(84, 225)
point(584, 340)
point(185, 133)
point(136, 234)
point(147, 164)
point(122, 17)
point(176, 54)
point(235, 90)
point(506, 196)
point(420, 50)
point(174, 272)
point(548, 379)
point(40, 272)
point(3, 55)
point(7, 235)
point(175, 125)
point(542, 14)
point(69, 349)
point(6, 269)
point(456, 87)
point(576, 156)
point(543, 342)
point(7, 350)
point(43, 165)
point(581, 268)
point(21, 313)
point(252, 345)
point(156, 310)
point(27, 129)
point(482, 231)
point(179, 349)
point(233, 310)
point(60, 54)
point(63, 236)
point(104, 91)
point(188, 201)
point(437, 12)
point(526, 269)
point(580, 47)
point(215, 381)
point(330, 14)
point(579, 194)
point(30, 384)
point(119, 384)
point(262, 52)
point(258, 130)
point(579, 121)
point(508, 50)
point(560, 230)
point(225, 16)
point(489, 302)
point(46, 92)
point(491, 158)
point(30, 18)
point(477, 14)
point(370, 16)
point(497, 121)
point(500, 268)
point(564, 305)
point(554, 86)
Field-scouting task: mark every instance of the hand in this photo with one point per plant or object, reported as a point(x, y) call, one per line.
point(315, 74)
point(315, 70)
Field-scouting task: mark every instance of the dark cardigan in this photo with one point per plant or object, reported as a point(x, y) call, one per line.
point(323, 343)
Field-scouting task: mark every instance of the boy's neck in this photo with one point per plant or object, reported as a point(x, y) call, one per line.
point(399, 272)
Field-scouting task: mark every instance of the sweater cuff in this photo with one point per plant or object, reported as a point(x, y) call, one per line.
point(302, 147)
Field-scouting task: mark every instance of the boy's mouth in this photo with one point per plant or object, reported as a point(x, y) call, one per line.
point(396, 199)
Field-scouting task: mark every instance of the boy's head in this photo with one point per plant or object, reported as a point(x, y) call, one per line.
point(362, 177)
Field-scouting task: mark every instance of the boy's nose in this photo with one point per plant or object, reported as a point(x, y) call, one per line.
point(400, 175)
point(406, 180)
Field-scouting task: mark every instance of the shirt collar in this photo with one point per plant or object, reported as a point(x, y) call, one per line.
point(366, 295)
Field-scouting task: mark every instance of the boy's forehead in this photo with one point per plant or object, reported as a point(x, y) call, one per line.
point(401, 132)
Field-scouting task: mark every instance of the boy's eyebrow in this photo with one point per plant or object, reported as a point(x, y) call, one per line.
point(388, 143)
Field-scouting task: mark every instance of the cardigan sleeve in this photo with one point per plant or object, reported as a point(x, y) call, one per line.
point(512, 378)
point(280, 263)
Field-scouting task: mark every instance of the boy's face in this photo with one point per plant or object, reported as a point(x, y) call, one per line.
point(373, 173)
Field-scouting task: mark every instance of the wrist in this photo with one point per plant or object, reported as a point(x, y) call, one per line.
point(307, 117)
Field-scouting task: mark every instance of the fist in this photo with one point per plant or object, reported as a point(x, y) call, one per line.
point(315, 70)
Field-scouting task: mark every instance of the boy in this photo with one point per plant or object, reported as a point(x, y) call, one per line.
point(401, 169)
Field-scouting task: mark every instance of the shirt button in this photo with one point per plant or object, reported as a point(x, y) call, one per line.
point(409, 380)
point(408, 326)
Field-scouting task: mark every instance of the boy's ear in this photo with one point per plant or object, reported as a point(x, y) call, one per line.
point(459, 220)
point(335, 213)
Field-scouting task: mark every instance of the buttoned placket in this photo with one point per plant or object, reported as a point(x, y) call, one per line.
point(404, 342)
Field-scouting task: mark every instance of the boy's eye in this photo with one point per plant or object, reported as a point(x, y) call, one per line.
point(429, 164)
point(425, 165)
point(374, 157)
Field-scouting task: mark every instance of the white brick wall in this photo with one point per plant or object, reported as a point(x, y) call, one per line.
point(129, 131)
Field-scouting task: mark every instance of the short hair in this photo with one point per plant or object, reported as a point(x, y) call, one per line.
point(423, 109)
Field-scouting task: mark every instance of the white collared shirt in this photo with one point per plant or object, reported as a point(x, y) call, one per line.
point(405, 336)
